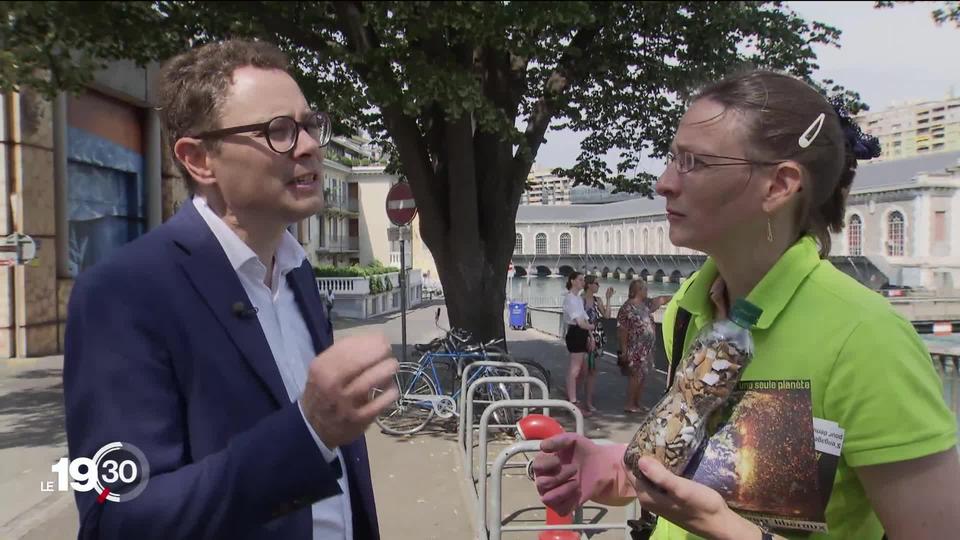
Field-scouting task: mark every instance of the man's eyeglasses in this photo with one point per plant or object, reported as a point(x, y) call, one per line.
point(688, 161)
point(282, 132)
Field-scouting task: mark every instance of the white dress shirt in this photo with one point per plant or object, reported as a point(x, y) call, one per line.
point(289, 341)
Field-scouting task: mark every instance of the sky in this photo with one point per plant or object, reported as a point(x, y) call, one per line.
point(893, 54)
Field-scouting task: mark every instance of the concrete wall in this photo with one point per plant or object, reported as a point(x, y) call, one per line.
point(33, 196)
point(29, 318)
point(926, 261)
point(373, 212)
point(422, 257)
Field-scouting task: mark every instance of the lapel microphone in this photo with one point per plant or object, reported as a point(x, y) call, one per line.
point(242, 311)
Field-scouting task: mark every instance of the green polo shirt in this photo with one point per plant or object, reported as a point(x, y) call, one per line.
point(868, 371)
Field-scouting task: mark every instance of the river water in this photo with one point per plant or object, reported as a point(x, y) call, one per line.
point(549, 291)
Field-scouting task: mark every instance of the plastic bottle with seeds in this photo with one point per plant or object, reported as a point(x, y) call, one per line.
point(674, 429)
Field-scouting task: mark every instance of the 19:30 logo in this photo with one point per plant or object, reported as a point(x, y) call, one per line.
point(118, 472)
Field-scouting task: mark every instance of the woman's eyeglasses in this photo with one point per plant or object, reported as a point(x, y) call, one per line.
point(686, 162)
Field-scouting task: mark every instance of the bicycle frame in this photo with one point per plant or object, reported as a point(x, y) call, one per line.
point(453, 341)
point(427, 368)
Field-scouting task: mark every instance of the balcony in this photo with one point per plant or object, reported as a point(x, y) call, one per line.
point(341, 206)
point(339, 244)
point(395, 258)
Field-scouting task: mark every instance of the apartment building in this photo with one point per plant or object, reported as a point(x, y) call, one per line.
point(915, 129)
point(544, 187)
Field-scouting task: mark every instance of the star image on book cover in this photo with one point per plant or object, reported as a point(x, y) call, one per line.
point(762, 460)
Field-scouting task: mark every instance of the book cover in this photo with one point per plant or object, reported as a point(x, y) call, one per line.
point(762, 456)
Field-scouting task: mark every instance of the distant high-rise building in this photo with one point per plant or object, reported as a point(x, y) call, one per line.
point(595, 195)
point(544, 187)
point(915, 128)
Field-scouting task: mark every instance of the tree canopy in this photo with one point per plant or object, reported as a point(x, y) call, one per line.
point(617, 71)
point(461, 94)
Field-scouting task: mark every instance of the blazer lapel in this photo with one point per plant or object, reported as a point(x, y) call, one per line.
point(217, 283)
point(305, 290)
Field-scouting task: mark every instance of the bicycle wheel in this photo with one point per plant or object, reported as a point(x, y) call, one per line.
point(500, 392)
point(496, 353)
point(411, 411)
point(537, 371)
point(491, 393)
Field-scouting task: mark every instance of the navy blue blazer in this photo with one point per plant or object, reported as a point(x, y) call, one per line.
point(156, 356)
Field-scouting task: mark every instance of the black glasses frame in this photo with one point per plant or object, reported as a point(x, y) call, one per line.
point(264, 128)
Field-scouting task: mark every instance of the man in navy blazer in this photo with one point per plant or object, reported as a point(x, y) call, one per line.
point(205, 342)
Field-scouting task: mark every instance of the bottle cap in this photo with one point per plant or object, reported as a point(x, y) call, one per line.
point(745, 314)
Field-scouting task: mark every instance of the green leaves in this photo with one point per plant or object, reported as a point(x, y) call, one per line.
point(353, 271)
point(439, 61)
point(944, 11)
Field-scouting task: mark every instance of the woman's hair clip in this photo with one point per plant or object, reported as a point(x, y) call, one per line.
point(811, 133)
point(862, 145)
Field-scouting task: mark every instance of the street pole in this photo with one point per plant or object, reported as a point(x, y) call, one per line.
point(403, 295)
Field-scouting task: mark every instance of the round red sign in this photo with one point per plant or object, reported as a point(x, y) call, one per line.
point(401, 208)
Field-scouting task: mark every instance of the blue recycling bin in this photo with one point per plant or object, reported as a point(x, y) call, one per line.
point(518, 315)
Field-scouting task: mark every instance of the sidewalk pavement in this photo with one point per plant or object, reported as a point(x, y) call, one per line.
point(419, 475)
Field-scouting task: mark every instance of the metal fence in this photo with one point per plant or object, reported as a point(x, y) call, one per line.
point(948, 367)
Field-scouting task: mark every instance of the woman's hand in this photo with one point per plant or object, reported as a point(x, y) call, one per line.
point(571, 469)
point(691, 505)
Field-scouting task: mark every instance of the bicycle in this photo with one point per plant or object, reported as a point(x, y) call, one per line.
point(423, 396)
point(459, 340)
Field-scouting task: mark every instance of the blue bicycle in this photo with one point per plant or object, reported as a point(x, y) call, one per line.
point(423, 394)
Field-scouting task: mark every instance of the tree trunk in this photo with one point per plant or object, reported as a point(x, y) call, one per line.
point(474, 290)
point(472, 263)
point(467, 182)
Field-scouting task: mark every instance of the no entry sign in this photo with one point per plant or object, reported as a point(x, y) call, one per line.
point(401, 208)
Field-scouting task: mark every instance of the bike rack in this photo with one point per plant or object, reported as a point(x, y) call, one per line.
point(497, 527)
point(526, 381)
point(465, 377)
point(484, 424)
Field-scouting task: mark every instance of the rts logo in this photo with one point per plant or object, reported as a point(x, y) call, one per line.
point(118, 472)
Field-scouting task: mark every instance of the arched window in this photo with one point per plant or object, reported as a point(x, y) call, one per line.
point(855, 236)
point(518, 244)
point(895, 234)
point(660, 240)
point(646, 241)
point(619, 243)
point(541, 244)
point(633, 241)
point(565, 244)
point(606, 241)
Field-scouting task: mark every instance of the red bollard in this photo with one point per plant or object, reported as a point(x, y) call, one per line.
point(536, 427)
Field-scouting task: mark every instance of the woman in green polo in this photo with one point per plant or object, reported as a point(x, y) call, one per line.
point(757, 178)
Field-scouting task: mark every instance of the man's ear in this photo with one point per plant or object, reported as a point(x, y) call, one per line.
point(787, 181)
point(195, 158)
